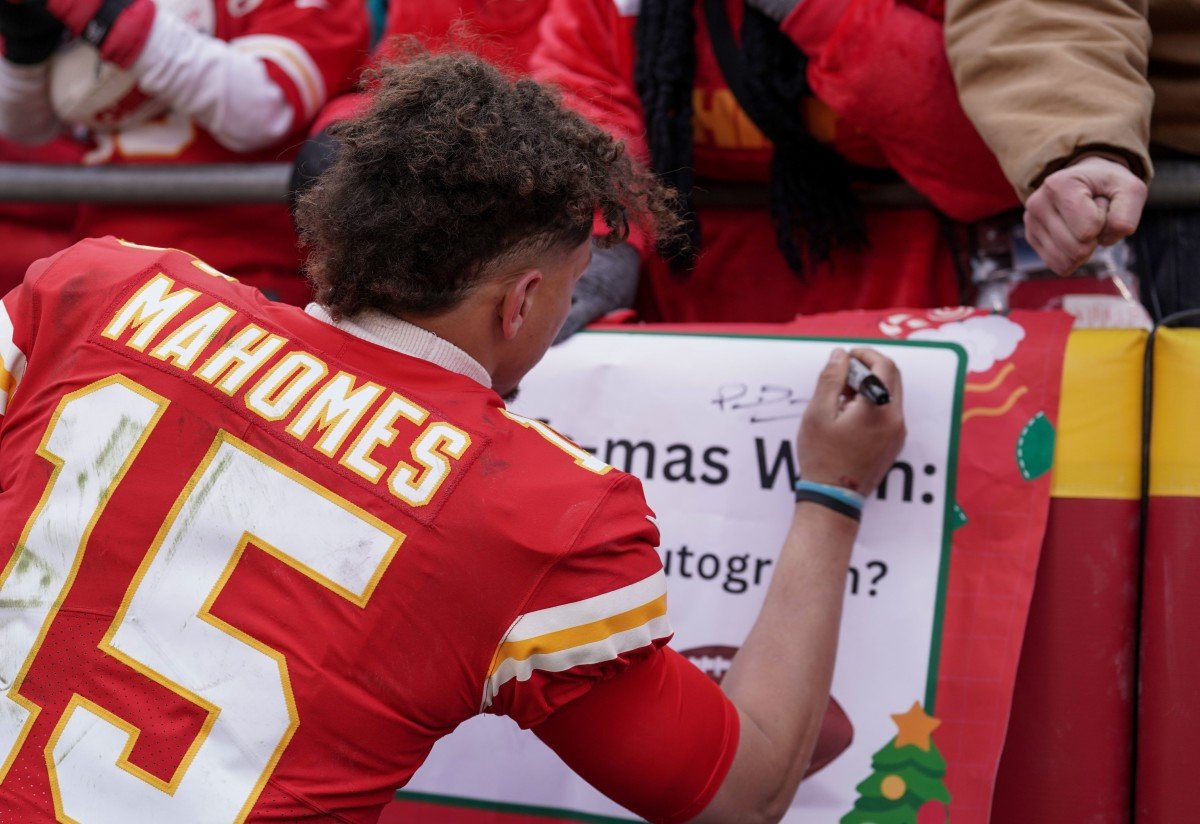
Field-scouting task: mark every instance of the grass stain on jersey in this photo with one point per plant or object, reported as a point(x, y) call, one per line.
point(120, 443)
point(27, 558)
point(197, 497)
point(58, 759)
point(117, 441)
point(21, 603)
point(29, 562)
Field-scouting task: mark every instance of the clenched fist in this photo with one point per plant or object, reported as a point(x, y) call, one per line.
point(1095, 201)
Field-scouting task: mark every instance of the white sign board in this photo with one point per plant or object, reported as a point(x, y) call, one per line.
point(709, 424)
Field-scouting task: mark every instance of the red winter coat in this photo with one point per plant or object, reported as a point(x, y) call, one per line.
point(29, 231)
point(885, 98)
point(504, 32)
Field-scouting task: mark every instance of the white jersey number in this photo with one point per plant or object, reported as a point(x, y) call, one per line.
point(164, 628)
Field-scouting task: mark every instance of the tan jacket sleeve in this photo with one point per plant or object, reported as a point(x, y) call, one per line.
point(1046, 80)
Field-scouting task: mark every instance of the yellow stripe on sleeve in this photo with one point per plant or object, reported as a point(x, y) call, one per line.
point(579, 636)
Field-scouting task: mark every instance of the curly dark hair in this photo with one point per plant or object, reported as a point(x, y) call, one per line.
point(455, 172)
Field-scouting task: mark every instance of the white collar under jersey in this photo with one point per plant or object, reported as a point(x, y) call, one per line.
point(407, 338)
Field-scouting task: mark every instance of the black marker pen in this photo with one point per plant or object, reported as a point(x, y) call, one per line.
point(866, 383)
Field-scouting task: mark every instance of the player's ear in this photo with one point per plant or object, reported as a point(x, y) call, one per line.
point(517, 302)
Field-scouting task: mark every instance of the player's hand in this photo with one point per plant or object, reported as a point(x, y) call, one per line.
point(850, 441)
point(609, 283)
point(30, 33)
point(1093, 201)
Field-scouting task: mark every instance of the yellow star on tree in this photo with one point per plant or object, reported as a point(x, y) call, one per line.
point(915, 727)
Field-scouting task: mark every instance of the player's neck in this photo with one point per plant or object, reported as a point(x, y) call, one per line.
point(467, 327)
point(417, 338)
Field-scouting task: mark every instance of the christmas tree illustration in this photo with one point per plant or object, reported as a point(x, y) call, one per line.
point(909, 774)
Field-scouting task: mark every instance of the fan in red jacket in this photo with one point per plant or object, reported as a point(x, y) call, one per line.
point(29, 231)
point(240, 90)
point(878, 91)
point(503, 32)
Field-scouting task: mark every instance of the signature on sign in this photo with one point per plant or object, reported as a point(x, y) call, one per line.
point(766, 403)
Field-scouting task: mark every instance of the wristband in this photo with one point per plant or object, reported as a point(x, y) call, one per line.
point(120, 29)
point(97, 29)
point(839, 499)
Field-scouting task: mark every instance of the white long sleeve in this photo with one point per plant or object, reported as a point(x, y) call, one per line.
point(225, 90)
point(25, 112)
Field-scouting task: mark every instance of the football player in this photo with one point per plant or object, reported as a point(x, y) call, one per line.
point(257, 559)
point(236, 81)
point(504, 32)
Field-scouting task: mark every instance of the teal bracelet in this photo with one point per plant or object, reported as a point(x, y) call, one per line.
point(848, 496)
point(838, 498)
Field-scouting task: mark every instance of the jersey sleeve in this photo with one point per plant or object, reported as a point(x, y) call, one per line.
point(16, 336)
point(312, 49)
point(600, 608)
point(658, 739)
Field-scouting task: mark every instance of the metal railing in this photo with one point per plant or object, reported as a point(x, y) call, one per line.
point(1176, 185)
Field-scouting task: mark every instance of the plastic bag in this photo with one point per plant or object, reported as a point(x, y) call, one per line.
point(1102, 294)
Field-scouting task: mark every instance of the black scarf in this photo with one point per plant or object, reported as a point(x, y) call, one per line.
point(812, 203)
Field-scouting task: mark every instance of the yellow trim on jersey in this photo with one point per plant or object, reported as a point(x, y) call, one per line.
point(12, 359)
point(590, 631)
point(578, 636)
point(583, 458)
point(205, 614)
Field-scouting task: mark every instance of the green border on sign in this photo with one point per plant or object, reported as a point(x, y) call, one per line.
point(935, 644)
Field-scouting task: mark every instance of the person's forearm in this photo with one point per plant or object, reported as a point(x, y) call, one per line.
point(226, 90)
point(25, 112)
point(793, 643)
point(1042, 79)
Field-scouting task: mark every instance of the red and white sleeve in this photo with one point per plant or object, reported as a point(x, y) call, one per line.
point(599, 610)
point(312, 49)
point(658, 739)
point(18, 319)
point(264, 85)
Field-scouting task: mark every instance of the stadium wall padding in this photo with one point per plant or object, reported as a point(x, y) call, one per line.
point(1169, 707)
point(1068, 755)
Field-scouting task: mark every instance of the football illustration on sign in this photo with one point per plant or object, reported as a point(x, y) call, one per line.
point(836, 730)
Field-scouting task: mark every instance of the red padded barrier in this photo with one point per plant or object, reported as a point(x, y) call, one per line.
point(1068, 756)
point(1169, 717)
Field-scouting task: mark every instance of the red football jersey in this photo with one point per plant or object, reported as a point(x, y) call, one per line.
point(254, 566)
point(312, 50)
